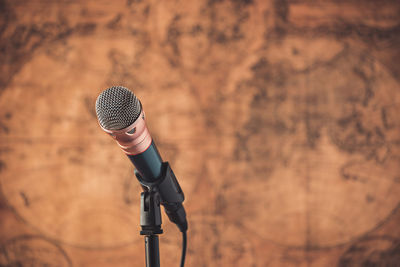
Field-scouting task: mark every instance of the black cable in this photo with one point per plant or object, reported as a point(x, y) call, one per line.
point(184, 244)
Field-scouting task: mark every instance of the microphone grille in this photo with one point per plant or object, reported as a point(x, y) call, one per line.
point(117, 108)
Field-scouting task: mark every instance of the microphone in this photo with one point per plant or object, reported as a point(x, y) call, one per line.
point(120, 114)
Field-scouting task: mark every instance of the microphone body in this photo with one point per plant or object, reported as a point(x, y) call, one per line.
point(120, 115)
point(148, 163)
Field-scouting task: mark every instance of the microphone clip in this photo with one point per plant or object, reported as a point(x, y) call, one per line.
point(150, 214)
point(170, 195)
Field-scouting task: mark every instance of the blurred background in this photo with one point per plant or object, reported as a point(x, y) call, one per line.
point(279, 118)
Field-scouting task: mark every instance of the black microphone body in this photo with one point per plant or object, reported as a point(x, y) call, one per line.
point(148, 163)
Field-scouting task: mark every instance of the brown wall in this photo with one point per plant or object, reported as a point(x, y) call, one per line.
point(280, 119)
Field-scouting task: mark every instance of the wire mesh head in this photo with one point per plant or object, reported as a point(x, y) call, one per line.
point(117, 108)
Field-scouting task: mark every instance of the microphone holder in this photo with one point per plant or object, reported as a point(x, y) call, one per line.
point(164, 190)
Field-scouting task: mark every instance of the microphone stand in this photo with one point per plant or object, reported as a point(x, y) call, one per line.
point(150, 221)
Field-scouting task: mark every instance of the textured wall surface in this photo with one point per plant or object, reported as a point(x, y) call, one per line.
point(280, 119)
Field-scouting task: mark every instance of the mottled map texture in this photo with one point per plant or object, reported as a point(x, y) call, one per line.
point(280, 119)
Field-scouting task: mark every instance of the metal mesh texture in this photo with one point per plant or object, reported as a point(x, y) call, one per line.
point(117, 108)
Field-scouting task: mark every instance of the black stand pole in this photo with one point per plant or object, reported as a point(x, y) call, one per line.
point(152, 250)
point(150, 221)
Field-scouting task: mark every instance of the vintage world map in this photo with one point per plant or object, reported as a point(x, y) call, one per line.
point(279, 118)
